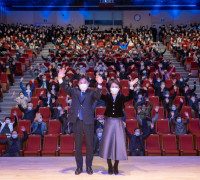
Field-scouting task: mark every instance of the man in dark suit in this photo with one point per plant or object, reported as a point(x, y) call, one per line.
point(44, 83)
point(136, 145)
point(81, 115)
point(15, 143)
point(29, 113)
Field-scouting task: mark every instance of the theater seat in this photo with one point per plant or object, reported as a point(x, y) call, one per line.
point(160, 113)
point(33, 147)
point(54, 127)
point(100, 111)
point(162, 126)
point(62, 100)
point(131, 124)
point(198, 144)
point(193, 126)
point(186, 145)
point(45, 111)
point(50, 146)
point(130, 112)
point(2, 146)
point(154, 100)
point(66, 145)
point(153, 146)
point(187, 109)
point(19, 113)
point(34, 101)
point(169, 146)
point(39, 90)
point(26, 124)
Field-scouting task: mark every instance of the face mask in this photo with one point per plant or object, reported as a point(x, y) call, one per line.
point(142, 64)
point(163, 86)
point(21, 96)
point(59, 108)
point(7, 67)
point(167, 95)
point(121, 65)
point(137, 133)
point(173, 108)
point(49, 95)
point(139, 96)
point(7, 121)
point(40, 120)
point(83, 87)
point(14, 136)
point(100, 65)
point(138, 88)
point(81, 66)
point(99, 135)
point(158, 80)
point(114, 91)
point(101, 72)
point(44, 79)
point(29, 108)
point(179, 120)
point(53, 87)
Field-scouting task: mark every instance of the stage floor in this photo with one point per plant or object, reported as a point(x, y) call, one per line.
point(136, 168)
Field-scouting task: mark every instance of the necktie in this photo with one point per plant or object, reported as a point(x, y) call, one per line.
point(80, 111)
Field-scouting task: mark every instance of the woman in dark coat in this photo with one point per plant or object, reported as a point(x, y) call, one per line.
point(113, 143)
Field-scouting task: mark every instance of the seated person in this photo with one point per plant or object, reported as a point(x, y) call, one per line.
point(22, 99)
point(47, 101)
point(29, 113)
point(179, 124)
point(14, 143)
point(136, 145)
point(145, 110)
point(39, 127)
point(97, 141)
point(28, 91)
point(147, 121)
point(6, 126)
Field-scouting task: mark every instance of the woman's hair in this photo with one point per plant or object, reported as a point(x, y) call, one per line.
point(110, 82)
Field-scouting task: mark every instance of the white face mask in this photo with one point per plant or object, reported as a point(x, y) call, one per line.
point(29, 108)
point(99, 135)
point(40, 120)
point(137, 133)
point(83, 87)
point(114, 91)
point(59, 108)
point(14, 136)
point(7, 121)
point(49, 95)
point(179, 120)
point(21, 96)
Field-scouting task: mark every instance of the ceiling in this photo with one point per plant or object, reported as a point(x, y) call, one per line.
point(94, 4)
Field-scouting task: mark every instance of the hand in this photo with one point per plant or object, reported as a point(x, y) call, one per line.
point(166, 100)
point(175, 88)
point(174, 81)
point(33, 80)
point(189, 74)
point(152, 125)
point(156, 108)
point(181, 100)
point(139, 110)
point(21, 79)
point(150, 80)
point(133, 82)
point(42, 92)
point(124, 124)
point(15, 113)
point(186, 114)
point(17, 101)
point(99, 79)
point(147, 85)
point(31, 67)
point(13, 93)
point(39, 102)
point(172, 114)
point(61, 73)
point(23, 129)
point(147, 99)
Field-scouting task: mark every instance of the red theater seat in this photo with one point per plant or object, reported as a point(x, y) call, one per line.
point(45, 111)
point(169, 146)
point(100, 111)
point(19, 113)
point(186, 145)
point(193, 126)
point(34, 101)
point(50, 147)
point(153, 146)
point(162, 126)
point(130, 112)
point(154, 100)
point(26, 124)
point(54, 127)
point(131, 124)
point(33, 147)
point(66, 145)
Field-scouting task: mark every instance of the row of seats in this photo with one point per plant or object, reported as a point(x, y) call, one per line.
point(167, 144)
